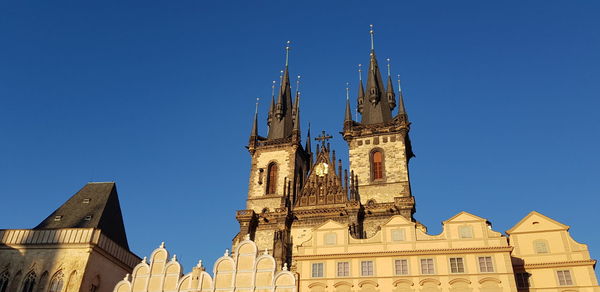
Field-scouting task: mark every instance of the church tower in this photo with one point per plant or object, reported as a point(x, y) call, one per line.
point(379, 148)
point(278, 169)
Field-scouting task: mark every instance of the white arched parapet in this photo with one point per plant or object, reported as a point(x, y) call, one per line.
point(285, 280)
point(246, 247)
point(185, 283)
point(139, 276)
point(123, 285)
point(172, 273)
point(224, 271)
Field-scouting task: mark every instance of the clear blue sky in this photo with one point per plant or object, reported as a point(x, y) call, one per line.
point(159, 97)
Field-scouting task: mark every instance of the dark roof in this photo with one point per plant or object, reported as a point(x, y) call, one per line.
point(100, 201)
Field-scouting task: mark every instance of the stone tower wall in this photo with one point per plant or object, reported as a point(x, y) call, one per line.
point(285, 159)
point(395, 182)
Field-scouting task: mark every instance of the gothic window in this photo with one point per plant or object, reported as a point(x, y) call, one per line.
point(272, 178)
point(57, 283)
point(4, 281)
point(29, 282)
point(377, 165)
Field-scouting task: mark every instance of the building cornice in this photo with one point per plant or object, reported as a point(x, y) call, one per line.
point(410, 252)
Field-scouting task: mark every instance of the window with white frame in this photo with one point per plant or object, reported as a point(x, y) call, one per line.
point(398, 235)
point(317, 270)
point(457, 265)
point(343, 269)
point(427, 267)
point(486, 265)
point(465, 231)
point(401, 267)
point(540, 246)
point(564, 278)
point(366, 268)
point(522, 280)
point(330, 239)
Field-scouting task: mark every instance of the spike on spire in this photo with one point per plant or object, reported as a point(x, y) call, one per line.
point(372, 33)
point(401, 107)
point(348, 115)
point(287, 52)
point(390, 88)
point(361, 91)
point(388, 66)
point(254, 132)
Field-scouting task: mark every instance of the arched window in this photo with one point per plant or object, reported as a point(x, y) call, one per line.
point(377, 165)
point(272, 178)
point(57, 283)
point(4, 281)
point(29, 282)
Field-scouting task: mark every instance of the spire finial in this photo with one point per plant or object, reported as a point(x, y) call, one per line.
point(372, 32)
point(298, 84)
point(256, 108)
point(388, 66)
point(273, 89)
point(347, 90)
point(287, 52)
point(399, 88)
point(359, 72)
point(281, 77)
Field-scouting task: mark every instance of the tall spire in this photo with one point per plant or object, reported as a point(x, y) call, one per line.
point(377, 109)
point(390, 88)
point(282, 124)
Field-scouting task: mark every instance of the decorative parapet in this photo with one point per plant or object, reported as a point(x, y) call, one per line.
point(246, 269)
point(68, 236)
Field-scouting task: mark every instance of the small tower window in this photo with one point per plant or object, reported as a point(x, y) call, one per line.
point(272, 178)
point(88, 218)
point(57, 282)
point(4, 281)
point(57, 217)
point(29, 282)
point(377, 165)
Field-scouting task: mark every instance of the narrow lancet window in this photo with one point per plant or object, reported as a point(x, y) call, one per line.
point(377, 165)
point(272, 178)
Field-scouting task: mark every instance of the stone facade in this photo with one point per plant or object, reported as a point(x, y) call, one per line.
point(82, 257)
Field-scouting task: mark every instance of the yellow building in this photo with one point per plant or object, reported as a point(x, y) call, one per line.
point(354, 230)
point(82, 246)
